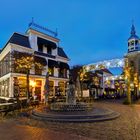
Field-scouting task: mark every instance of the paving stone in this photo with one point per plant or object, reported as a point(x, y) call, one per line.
point(126, 127)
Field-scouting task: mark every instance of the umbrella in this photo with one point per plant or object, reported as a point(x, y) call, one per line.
point(46, 87)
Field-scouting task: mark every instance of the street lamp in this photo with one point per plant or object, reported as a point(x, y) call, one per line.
point(32, 83)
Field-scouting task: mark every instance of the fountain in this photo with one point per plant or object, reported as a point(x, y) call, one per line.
point(71, 104)
point(72, 111)
point(70, 97)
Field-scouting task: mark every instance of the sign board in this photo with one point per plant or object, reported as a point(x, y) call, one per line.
point(85, 93)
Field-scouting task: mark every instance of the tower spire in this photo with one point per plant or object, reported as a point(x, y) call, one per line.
point(32, 19)
point(133, 40)
point(133, 31)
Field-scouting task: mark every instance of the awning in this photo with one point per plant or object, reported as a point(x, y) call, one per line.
point(52, 63)
point(47, 43)
point(18, 55)
point(40, 60)
point(63, 65)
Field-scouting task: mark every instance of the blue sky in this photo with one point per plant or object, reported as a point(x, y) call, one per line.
point(90, 30)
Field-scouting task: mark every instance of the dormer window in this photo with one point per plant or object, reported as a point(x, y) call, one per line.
point(47, 44)
point(49, 50)
point(40, 48)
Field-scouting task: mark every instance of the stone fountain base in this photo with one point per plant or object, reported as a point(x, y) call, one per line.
point(94, 115)
point(71, 107)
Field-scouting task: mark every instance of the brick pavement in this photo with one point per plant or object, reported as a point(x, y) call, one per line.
point(126, 127)
point(10, 130)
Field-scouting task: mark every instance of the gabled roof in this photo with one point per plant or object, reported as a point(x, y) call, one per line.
point(133, 37)
point(23, 40)
point(20, 39)
point(62, 53)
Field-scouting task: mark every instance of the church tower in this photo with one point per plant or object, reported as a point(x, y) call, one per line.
point(132, 67)
point(133, 41)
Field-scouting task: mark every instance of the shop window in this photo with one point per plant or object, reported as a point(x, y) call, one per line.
point(61, 88)
point(51, 71)
point(51, 88)
point(38, 83)
point(16, 88)
point(38, 93)
point(22, 88)
point(62, 73)
point(38, 71)
point(5, 65)
point(7, 88)
point(4, 88)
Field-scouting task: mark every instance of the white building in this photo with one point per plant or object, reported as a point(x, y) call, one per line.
point(45, 48)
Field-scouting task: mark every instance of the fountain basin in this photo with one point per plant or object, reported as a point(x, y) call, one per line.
point(94, 115)
point(71, 107)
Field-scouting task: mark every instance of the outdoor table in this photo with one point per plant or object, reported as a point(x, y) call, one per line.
point(6, 107)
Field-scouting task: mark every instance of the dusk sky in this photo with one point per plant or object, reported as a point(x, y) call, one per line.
point(90, 30)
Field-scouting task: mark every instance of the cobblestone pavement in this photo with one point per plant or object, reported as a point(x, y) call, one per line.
point(126, 127)
point(10, 130)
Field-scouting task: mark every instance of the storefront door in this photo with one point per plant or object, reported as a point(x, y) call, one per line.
point(38, 93)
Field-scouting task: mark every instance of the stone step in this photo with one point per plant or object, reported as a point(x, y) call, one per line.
point(77, 118)
point(70, 107)
point(71, 116)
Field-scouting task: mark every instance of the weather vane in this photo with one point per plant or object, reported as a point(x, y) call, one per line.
point(32, 19)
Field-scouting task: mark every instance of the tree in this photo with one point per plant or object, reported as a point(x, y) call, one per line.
point(86, 78)
point(23, 63)
point(127, 80)
point(74, 71)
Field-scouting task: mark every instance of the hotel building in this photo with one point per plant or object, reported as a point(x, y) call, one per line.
point(43, 44)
